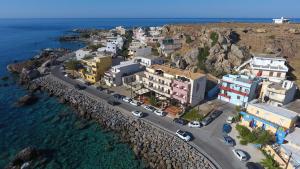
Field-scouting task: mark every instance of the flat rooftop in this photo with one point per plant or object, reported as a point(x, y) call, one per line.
point(175, 71)
point(276, 110)
point(294, 106)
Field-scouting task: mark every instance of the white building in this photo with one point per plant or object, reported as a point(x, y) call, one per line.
point(81, 53)
point(139, 51)
point(155, 31)
point(117, 40)
point(113, 77)
point(281, 20)
point(278, 93)
point(120, 30)
point(148, 60)
point(266, 66)
point(110, 47)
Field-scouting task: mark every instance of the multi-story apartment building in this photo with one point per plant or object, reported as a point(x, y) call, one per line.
point(269, 67)
point(184, 86)
point(272, 118)
point(278, 93)
point(113, 77)
point(95, 67)
point(238, 89)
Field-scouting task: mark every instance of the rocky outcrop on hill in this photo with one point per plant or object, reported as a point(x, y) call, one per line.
point(161, 149)
point(236, 42)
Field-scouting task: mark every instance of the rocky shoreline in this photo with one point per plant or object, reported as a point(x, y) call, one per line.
point(156, 146)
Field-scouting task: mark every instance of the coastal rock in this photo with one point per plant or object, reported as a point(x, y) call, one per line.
point(27, 100)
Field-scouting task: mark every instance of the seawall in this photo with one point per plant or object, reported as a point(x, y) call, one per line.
point(158, 147)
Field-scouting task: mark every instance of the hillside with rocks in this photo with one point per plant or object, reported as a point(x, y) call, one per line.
point(218, 48)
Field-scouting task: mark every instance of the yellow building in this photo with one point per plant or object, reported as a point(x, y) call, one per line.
point(277, 120)
point(95, 67)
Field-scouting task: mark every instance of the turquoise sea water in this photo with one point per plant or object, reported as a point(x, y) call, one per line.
point(48, 124)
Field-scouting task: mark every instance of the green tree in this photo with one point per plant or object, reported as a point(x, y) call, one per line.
point(188, 39)
point(202, 56)
point(72, 65)
point(269, 162)
point(153, 101)
point(214, 37)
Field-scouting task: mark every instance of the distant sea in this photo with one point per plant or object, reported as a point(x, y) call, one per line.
point(49, 124)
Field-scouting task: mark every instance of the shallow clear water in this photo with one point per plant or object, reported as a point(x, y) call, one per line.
point(49, 125)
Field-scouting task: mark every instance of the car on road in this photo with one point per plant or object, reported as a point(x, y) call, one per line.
point(230, 120)
point(215, 114)
point(183, 135)
point(206, 121)
point(180, 121)
point(149, 108)
point(88, 83)
point(195, 124)
point(160, 113)
point(252, 165)
point(135, 103)
point(127, 99)
point(138, 114)
point(117, 96)
point(79, 87)
point(226, 128)
point(241, 155)
point(113, 102)
point(228, 140)
point(99, 88)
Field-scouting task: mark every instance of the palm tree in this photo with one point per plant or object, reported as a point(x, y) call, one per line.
point(269, 163)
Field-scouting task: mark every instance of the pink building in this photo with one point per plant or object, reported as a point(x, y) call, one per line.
point(182, 85)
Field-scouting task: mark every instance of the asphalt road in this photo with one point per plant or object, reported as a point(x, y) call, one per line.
point(207, 140)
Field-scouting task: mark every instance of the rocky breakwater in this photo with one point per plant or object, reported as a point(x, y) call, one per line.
point(158, 147)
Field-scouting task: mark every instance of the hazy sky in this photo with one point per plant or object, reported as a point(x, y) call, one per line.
point(148, 8)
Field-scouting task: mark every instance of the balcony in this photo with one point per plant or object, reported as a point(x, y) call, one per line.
point(158, 90)
point(234, 91)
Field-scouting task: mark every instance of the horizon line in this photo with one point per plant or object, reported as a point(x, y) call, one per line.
point(144, 18)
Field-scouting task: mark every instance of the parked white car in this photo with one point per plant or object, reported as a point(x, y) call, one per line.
point(135, 103)
point(127, 99)
point(229, 120)
point(240, 154)
point(183, 135)
point(148, 107)
point(160, 113)
point(195, 124)
point(138, 114)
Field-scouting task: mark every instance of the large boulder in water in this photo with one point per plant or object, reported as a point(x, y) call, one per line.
point(27, 100)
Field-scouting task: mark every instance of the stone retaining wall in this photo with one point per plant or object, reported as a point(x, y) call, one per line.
point(158, 147)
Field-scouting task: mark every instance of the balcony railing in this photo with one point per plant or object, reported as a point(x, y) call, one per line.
point(234, 91)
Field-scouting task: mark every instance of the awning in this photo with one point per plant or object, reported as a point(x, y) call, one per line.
point(142, 91)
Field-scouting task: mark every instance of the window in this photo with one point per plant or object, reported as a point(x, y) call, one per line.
point(271, 73)
point(278, 74)
point(238, 97)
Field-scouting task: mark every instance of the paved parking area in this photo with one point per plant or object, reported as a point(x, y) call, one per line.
point(255, 155)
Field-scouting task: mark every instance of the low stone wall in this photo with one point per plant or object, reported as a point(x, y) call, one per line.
point(158, 147)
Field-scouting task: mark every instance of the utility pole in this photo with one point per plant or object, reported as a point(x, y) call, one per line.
point(287, 164)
